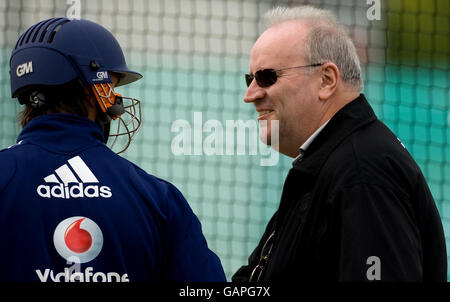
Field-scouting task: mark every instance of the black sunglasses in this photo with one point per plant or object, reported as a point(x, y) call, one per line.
point(268, 77)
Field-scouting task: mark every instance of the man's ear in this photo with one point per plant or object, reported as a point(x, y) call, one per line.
point(330, 78)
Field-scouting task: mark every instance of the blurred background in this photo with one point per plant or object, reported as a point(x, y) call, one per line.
point(193, 54)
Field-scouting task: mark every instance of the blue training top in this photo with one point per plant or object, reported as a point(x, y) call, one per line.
point(73, 210)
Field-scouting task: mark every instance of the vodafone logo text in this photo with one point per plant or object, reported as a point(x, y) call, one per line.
point(78, 240)
point(74, 180)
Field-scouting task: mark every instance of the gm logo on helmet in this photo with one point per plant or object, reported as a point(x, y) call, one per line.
point(78, 239)
point(24, 69)
point(102, 75)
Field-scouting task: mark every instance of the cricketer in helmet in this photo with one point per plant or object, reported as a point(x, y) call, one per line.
point(71, 210)
point(72, 66)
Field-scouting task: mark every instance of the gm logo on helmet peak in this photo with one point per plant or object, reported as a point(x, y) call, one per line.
point(101, 75)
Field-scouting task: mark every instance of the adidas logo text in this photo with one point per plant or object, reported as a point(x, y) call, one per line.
point(75, 191)
point(63, 187)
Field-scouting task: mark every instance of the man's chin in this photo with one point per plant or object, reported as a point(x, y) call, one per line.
point(265, 137)
point(267, 129)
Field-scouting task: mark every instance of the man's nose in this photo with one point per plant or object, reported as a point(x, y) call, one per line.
point(254, 92)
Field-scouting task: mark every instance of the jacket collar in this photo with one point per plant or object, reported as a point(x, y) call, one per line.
point(350, 118)
point(61, 133)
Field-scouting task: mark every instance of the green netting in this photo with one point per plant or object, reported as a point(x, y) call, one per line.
point(193, 54)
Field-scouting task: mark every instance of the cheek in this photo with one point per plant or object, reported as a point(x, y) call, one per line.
point(291, 99)
point(291, 107)
point(296, 114)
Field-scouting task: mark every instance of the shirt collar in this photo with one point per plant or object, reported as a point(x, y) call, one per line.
point(61, 133)
point(309, 141)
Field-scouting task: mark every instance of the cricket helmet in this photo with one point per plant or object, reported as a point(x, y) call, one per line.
point(59, 50)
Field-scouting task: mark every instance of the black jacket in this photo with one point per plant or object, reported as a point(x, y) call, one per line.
point(355, 208)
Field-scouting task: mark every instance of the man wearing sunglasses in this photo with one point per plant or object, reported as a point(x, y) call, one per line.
point(355, 205)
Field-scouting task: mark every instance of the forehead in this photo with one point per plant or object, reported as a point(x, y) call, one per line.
point(279, 46)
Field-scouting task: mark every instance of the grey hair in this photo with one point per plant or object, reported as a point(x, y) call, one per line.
point(326, 41)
